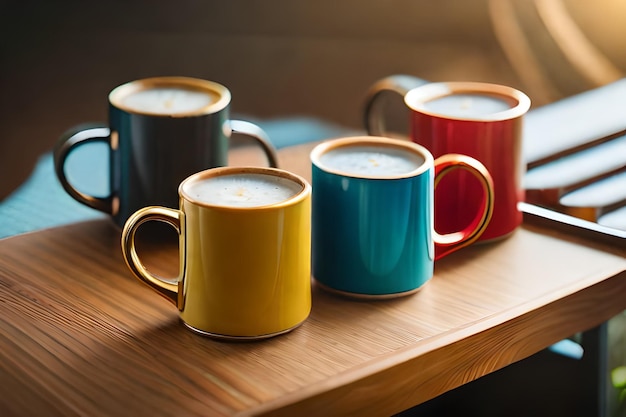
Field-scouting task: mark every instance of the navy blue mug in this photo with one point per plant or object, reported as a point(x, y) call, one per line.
point(160, 131)
point(372, 215)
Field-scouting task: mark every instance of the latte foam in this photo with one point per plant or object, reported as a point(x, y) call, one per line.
point(168, 100)
point(242, 190)
point(375, 161)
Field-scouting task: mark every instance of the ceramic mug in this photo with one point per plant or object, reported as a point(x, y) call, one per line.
point(480, 120)
point(160, 131)
point(245, 250)
point(373, 233)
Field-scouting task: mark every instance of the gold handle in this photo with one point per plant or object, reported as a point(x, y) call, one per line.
point(167, 287)
point(448, 243)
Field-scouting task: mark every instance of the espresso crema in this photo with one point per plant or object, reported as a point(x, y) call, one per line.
point(372, 161)
point(242, 190)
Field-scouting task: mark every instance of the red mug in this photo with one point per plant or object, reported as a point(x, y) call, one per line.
point(480, 120)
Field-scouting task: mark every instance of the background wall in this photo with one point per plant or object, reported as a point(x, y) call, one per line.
point(59, 59)
point(278, 57)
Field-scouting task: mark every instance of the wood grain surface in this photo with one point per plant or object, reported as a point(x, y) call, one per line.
point(80, 336)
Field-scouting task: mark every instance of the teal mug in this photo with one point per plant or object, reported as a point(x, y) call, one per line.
point(372, 215)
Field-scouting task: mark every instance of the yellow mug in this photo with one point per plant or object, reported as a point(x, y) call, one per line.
point(245, 252)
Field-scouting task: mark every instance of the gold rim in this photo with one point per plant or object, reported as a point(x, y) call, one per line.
point(368, 297)
point(520, 102)
point(225, 337)
point(327, 146)
point(221, 171)
point(218, 91)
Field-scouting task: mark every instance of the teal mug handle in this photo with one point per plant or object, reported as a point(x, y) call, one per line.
point(373, 118)
point(447, 243)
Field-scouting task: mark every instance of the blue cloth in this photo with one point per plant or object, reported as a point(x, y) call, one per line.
point(41, 202)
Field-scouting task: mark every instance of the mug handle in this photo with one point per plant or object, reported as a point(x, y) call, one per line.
point(400, 84)
point(167, 287)
point(258, 134)
point(451, 242)
point(67, 143)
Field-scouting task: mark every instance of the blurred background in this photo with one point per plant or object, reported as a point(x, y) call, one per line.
point(282, 58)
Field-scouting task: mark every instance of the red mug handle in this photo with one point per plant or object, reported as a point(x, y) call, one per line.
point(374, 115)
point(447, 243)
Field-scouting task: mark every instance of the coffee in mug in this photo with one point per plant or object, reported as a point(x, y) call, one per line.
point(245, 244)
point(166, 100)
point(160, 131)
point(243, 190)
point(371, 161)
point(373, 234)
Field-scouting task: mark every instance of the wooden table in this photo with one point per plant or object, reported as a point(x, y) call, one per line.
point(80, 336)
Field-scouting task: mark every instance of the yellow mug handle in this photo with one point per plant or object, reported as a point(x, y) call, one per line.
point(167, 287)
point(450, 242)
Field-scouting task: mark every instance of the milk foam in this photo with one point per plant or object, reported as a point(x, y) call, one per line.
point(374, 161)
point(468, 105)
point(168, 100)
point(243, 190)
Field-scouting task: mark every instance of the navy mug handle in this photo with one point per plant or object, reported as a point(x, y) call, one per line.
point(258, 134)
point(69, 141)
